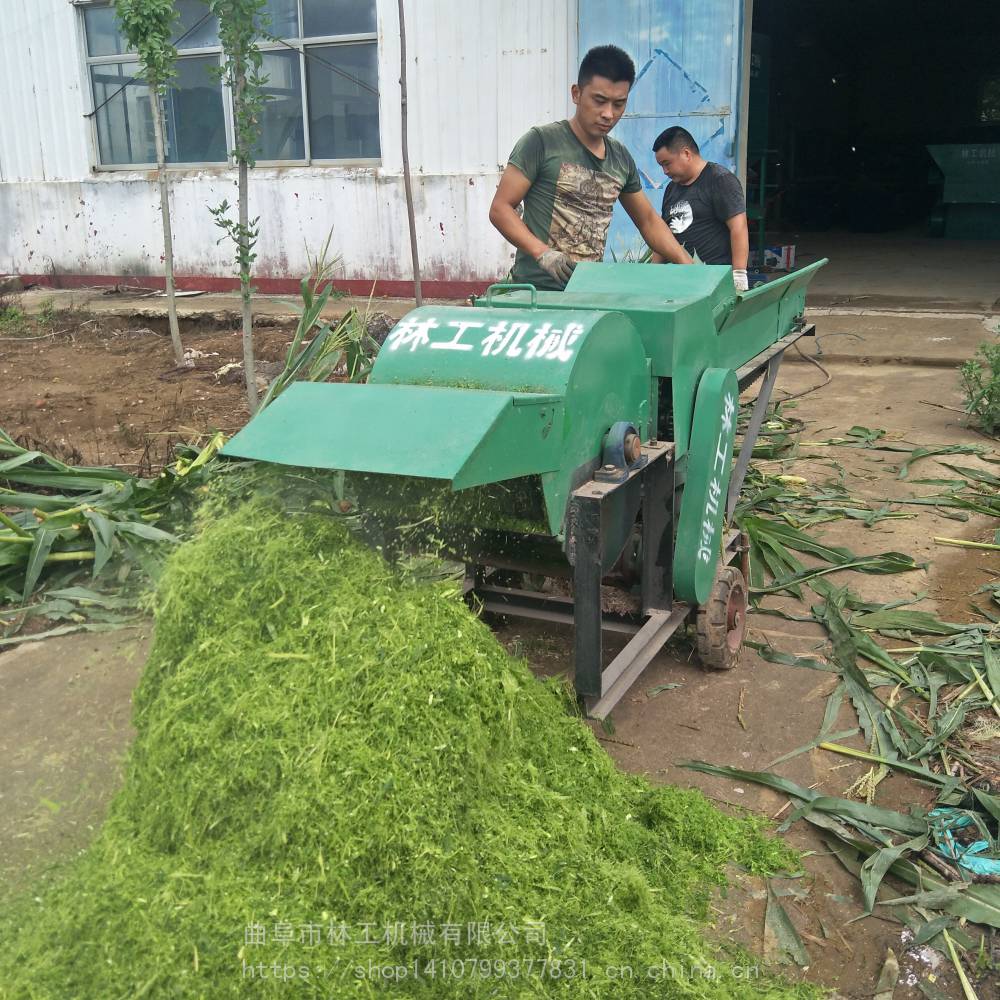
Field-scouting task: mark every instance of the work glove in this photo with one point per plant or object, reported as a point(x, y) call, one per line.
point(556, 264)
point(740, 279)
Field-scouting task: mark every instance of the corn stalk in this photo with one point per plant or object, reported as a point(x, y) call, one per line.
point(52, 514)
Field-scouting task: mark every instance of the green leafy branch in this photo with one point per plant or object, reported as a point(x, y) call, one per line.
point(243, 236)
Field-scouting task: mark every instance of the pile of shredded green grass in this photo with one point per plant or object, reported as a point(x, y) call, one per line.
point(343, 786)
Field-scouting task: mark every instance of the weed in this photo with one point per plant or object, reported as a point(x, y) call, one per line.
point(47, 312)
point(980, 378)
point(13, 322)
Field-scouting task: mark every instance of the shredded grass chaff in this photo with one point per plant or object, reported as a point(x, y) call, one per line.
point(338, 770)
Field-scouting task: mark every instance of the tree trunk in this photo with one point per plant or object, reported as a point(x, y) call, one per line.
point(168, 243)
point(417, 294)
point(249, 369)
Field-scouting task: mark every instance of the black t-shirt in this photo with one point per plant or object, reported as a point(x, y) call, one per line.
point(696, 213)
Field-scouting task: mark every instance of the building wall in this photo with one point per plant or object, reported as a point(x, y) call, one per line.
point(480, 72)
point(689, 61)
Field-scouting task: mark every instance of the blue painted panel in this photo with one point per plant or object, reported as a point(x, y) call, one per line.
point(687, 57)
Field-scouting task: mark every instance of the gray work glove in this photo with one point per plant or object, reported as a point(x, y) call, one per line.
point(740, 279)
point(557, 264)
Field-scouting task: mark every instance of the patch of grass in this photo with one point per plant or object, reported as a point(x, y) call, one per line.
point(13, 321)
point(337, 768)
point(47, 313)
point(980, 380)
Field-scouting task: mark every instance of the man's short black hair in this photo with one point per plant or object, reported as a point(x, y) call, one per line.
point(675, 139)
point(608, 61)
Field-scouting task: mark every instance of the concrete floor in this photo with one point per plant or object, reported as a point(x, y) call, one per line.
point(900, 270)
point(894, 271)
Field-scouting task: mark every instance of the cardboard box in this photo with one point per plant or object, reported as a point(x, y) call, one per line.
point(780, 258)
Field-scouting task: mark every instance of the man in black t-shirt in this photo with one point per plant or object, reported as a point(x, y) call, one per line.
point(703, 204)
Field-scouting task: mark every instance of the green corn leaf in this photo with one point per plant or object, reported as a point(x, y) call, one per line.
point(64, 630)
point(874, 817)
point(813, 744)
point(990, 802)
point(977, 475)
point(85, 596)
point(103, 532)
point(780, 937)
point(145, 531)
point(945, 449)
point(922, 622)
point(977, 903)
point(875, 867)
point(36, 560)
point(884, 563)
point(82, 481)
point(927, 931)
point(991, 661)
point(773, 655)
point(23, 459)
point(866, 703)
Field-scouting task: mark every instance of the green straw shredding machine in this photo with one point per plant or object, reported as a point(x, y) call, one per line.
point(586, 434)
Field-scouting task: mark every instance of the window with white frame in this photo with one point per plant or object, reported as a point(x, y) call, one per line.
point(322, 87)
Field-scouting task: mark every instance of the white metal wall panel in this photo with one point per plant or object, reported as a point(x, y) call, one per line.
point(111, 226)
point(43, 134)
point(537, 45)
point(480, 73)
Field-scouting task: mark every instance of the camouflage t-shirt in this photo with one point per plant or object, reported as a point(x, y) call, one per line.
point(572, 194)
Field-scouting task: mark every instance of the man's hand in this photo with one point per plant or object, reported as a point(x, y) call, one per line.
point(556, 264)
point(740, 279)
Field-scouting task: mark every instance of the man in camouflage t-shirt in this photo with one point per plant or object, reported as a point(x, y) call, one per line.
point(569, 175)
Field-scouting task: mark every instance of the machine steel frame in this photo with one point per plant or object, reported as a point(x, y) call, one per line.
point(653, 489)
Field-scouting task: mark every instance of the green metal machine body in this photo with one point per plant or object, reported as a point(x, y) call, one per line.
point(553, 392)
point(970, 202)
point(688, 318)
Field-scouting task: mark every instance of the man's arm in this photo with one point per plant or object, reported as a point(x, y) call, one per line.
point(739, 241)
point(503, 212)
point(654, 230)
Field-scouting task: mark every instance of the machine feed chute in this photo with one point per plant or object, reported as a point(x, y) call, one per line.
point(471, 396)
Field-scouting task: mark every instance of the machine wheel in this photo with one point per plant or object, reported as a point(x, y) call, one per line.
point(722, 621)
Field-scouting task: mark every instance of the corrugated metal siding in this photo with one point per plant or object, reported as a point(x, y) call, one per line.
point(43, 134)
point(688, 57)
point(481, 72)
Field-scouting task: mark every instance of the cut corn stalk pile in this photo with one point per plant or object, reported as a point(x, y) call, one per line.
point(926, 692)
point(57, 519)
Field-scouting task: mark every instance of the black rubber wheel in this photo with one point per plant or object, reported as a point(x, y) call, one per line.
point(722, 621)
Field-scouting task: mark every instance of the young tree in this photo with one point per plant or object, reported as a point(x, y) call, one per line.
point(149, 25)
point(240, 24)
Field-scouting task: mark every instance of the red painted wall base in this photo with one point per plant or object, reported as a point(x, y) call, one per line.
point(268, 286)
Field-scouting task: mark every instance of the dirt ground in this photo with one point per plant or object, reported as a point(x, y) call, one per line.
point(782, 708)
point(103, 389)
point(106, 391)
point(64, 728)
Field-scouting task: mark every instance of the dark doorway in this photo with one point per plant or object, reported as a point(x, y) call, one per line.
point(845, 99)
